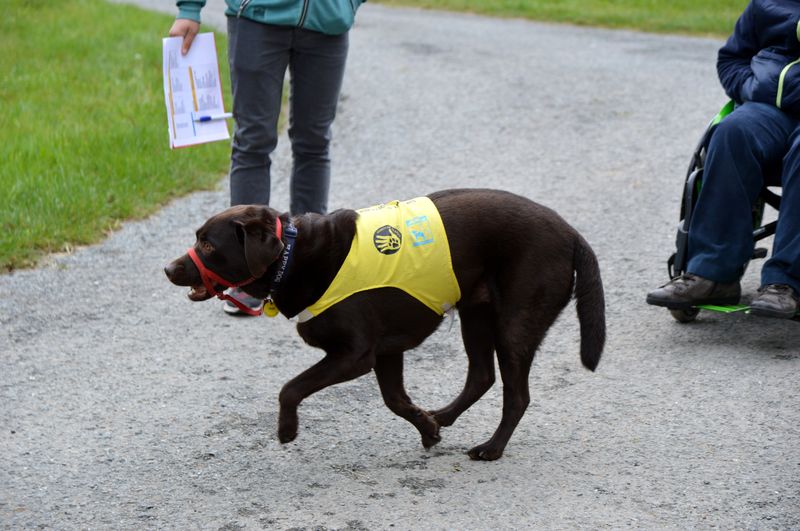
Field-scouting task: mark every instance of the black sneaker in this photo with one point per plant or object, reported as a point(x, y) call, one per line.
point(688, 290)
point(251, 302)
point(775, 300)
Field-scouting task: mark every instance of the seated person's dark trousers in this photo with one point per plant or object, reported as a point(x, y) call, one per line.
point(259, 55)
point(753, 139)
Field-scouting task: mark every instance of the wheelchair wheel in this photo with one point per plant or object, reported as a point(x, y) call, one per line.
point(685, 316)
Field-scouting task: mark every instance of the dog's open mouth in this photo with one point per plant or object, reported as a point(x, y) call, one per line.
point(199, 293)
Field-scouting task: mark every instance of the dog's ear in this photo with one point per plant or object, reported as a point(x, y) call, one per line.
point(261, 245)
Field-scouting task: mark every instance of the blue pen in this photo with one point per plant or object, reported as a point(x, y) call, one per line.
point(210, 117)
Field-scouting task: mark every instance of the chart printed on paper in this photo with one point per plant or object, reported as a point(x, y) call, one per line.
point(192, 90)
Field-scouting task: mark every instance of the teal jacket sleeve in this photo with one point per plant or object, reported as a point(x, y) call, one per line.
point(190, 9)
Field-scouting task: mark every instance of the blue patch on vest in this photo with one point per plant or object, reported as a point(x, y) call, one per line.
point(420, 230)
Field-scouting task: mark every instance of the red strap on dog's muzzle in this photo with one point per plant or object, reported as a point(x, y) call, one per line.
point(209, 278)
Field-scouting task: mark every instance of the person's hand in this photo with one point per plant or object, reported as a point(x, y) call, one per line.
point(183, 27)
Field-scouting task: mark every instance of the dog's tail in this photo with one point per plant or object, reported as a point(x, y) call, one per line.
point(590, 303)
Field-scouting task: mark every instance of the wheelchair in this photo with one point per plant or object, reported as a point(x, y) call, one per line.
point(676, 264)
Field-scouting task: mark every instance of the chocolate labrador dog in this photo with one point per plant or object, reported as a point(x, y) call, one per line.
point(515, 264)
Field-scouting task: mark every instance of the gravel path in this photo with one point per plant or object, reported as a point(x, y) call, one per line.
point(125, 406)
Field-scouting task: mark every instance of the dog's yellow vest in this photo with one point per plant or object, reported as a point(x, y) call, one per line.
point(399, 245)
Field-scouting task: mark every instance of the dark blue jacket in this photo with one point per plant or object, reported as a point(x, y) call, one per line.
point(761, 60)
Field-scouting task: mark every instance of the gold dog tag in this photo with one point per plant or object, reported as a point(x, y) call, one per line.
point(270, 310)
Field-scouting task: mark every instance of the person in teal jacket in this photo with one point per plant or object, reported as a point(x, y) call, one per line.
point(265, 37)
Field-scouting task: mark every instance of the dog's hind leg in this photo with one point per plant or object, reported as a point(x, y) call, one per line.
point(389, 372)
point(514, 364)
point(478, 335)
point(332, 369)
point(518, 336)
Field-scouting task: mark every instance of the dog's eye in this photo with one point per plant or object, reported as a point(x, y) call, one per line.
point(206, 247)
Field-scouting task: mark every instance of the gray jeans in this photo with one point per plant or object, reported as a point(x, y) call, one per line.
point(258, 55)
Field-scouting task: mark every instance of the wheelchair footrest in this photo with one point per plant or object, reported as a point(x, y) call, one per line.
point(725, 309)
point(733, 308)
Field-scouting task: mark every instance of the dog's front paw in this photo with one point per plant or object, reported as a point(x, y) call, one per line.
point(287, 429)
point(485, 452)
point(428, 441)
point(429, 429)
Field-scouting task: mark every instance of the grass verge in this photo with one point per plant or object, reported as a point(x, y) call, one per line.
point(84, 139)
point(695, 17)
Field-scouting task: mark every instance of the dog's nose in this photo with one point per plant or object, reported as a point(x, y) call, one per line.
point(171, 269)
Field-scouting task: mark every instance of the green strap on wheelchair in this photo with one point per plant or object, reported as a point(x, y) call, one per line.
point(723, 112)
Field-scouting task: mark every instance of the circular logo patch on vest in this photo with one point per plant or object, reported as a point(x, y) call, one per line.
point(387, 239)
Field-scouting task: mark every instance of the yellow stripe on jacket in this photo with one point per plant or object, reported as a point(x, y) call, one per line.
point(399, 245)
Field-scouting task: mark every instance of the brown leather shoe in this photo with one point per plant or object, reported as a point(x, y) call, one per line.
point(776, 300)
point(688, 290)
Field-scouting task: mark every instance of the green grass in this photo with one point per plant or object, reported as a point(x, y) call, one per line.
point(696, 17)
point(83, 132)
point(83, 135)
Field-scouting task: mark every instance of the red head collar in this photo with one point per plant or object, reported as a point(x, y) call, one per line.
point(210, 278)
